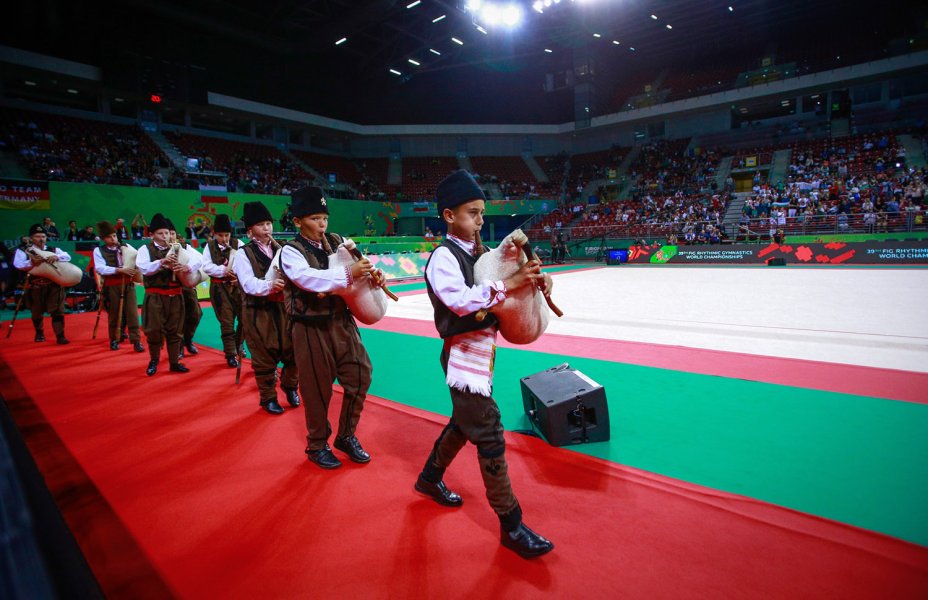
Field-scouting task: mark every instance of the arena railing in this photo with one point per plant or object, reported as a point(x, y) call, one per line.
point(754, 230)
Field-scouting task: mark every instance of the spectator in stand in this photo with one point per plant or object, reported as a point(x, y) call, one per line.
point(204, 231)
point(87, 234)
point(122, 233)
point(74, 234)
point(139, 227)
point(428, 235)
point(50, 230)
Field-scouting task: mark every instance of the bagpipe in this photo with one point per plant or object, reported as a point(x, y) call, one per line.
point(63, 273)
point(129, 255)
point(366, 296)
point(523, 316)
point(186, 277)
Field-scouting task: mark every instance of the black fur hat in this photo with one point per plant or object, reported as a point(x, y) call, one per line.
point(456, 189)
point(309, 200)
point(254, 213)
point(158, 222)
point(222, 224)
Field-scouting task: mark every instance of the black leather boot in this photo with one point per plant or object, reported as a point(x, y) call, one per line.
point(525, 542)
point(293, 398)
point(352, 447)
point(191, 349)
point(323, 457)
point(152, 368)
point(438, 492)
point(272, 407)
point(114, 345)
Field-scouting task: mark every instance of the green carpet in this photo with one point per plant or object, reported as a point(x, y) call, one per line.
point(853, 459)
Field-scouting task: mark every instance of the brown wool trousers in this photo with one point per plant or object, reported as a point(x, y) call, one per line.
point(162, 319)
point(326, 350)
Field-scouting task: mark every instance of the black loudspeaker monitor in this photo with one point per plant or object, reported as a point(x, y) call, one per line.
point(566, 406)
point(776, 262)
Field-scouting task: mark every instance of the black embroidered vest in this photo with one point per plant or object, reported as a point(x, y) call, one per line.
point(303, 305)
point(446, 322)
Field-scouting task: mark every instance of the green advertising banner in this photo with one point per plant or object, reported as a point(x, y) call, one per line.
point(89, 203)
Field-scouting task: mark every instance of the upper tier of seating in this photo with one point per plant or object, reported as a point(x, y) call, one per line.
point(55, 147)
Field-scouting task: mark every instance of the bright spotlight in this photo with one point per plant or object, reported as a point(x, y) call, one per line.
point(509, 15)
point(474, 5)
point(538, 6)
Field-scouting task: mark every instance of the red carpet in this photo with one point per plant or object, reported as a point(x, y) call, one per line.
point(178, 484)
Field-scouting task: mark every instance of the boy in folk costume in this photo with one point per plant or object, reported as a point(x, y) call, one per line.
point(163, 307)
point(118, 287)
point(224, 292)
point(45, 296)
point(192, 311)
point(326, 341)
point(467, 358)
point(264, 318)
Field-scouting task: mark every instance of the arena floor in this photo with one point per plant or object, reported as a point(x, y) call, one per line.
point(754, 412)
point(856, 316)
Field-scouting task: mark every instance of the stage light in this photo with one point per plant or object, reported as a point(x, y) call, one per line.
point(730, 9)
point(632, 48)
point(414, 4)
point(596, 35)
point(473, 5)
point(654, 17)
point(72, 91)
point(549, 50)
point(30, 83)
point(434, 51)
point(437, 19)
point(538, 6)
point(395, 72)
point(670, 27)
point(341, 41)
point(118, 100)
point(457, 41)
point(509, 15)
point(413, 62)
point(616, 42)
point(481, 30)
point(155, 98)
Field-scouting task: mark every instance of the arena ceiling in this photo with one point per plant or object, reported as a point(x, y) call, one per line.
point(399, 64)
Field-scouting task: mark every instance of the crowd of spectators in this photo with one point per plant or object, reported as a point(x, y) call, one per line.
point(248, 168)
point(665, 167)
point(57, 148)
point(860, 183)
